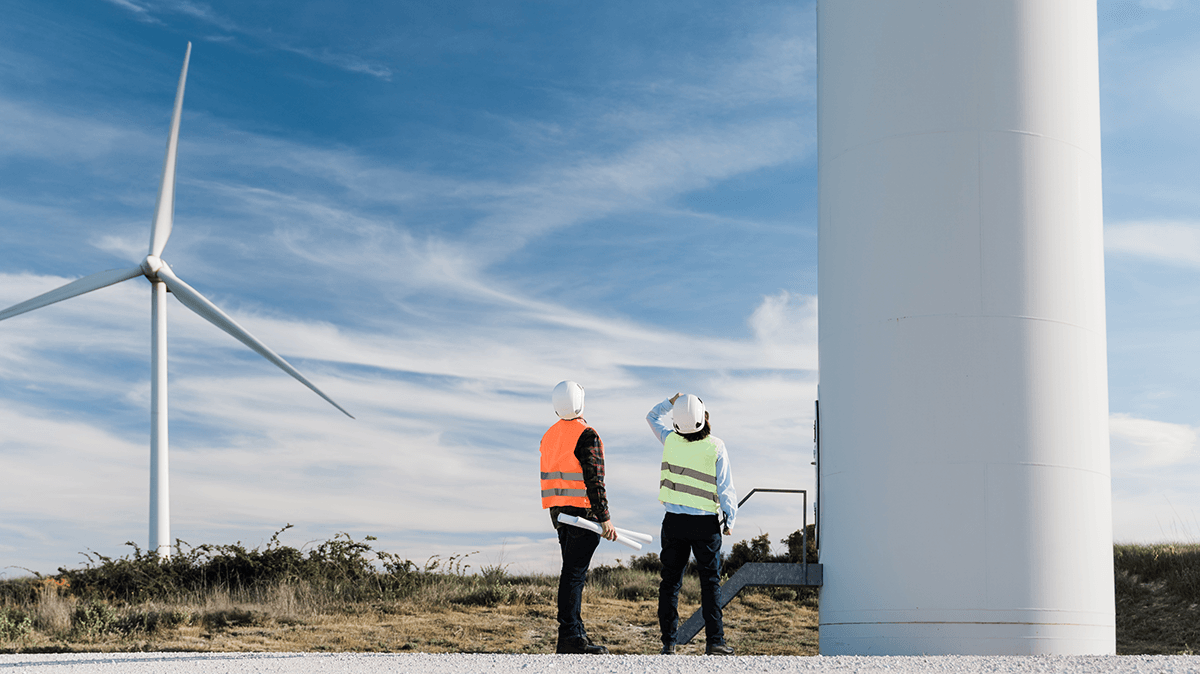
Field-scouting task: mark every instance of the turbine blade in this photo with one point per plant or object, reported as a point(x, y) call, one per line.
point(209, 311)
point(77, 287)
point(164, 210)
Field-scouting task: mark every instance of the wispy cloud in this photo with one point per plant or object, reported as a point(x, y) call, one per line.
point(1155, 468)
point(348, 62)
point(241, 421)
point(1170, 242)
point(442, 352)
point(152, 11)
point(141, 12)
point(1149, 443)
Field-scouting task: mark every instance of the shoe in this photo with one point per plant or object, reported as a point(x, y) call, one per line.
point(718, 649)
point(580, 646)
point(668, 649)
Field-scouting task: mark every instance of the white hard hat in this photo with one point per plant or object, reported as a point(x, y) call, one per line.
point(688, 414)
point(568, 399)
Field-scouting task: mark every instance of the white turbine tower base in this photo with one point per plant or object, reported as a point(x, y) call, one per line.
point(965, 497)
point(161, 280)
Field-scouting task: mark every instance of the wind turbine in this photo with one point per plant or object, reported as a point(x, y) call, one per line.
point(162, 280)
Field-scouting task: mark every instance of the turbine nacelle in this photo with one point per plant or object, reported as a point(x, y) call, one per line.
point(151, 265)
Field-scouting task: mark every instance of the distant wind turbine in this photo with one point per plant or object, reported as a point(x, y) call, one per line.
point(161, 280)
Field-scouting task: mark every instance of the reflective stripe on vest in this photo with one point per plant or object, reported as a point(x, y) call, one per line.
point(689, 473)
point(562, 474)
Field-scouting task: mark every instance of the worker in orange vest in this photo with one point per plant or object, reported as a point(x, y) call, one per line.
point(573, 483)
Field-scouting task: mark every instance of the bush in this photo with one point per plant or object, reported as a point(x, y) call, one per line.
point(341, 567)
point(489, 595)
point(231, 617)
point(758, 549)
point(150, 621)
point(637, 588)
point(93, 619)
point(795, 544)
point(648, 562)
point(15, 625)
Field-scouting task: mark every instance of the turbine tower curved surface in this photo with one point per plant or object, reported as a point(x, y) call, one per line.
point(965, 488)
point(163, 279)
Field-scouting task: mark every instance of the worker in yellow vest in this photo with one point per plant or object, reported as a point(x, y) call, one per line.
point(573, 483)
point(696, 489)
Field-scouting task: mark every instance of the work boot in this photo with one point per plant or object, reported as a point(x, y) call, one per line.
point(668, 649)
point(718, 649)
point(580, 646)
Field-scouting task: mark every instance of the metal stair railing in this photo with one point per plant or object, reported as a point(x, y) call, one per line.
point(761, 574)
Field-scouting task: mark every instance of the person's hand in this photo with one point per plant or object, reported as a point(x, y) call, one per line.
point(675, 397)
point(610, 532)
point(727, 531)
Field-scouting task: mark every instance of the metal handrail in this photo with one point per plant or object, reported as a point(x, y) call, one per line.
point(803, 531)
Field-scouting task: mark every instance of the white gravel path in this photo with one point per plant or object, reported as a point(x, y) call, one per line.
point(421, 663)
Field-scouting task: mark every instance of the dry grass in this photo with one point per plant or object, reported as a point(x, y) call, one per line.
point(513, 616)
point(1158, 599)
point(442, 609)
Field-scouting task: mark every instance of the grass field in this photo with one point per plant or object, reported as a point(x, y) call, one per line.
point(342, 595)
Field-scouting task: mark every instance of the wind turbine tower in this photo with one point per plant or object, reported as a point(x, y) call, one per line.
point(965, 489)
point(163, 279)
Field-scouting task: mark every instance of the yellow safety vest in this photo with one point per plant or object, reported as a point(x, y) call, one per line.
point(562, 474)
point(689, 473)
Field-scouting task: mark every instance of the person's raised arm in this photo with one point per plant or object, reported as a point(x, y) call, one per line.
point(659, 418)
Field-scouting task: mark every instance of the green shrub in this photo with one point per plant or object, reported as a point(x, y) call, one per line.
point(489, 595)
point(637, 588)
point(795, 544)
point(15, 625)
point(151, 621)
point(231, 617)
point(340, 567)
point(648, 562)
point(758, 549)
point(92, 619)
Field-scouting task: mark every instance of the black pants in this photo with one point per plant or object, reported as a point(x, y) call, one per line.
point(577, 548)
point(684, 535)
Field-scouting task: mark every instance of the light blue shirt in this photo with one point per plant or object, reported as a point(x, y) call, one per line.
point(659, 419)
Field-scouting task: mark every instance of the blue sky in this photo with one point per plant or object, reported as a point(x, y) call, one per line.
point(437, 211)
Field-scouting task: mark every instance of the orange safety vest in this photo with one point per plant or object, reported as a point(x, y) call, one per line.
point(562, 474)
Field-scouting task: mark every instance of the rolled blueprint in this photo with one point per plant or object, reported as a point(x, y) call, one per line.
point(639, 537)
point(624, 537)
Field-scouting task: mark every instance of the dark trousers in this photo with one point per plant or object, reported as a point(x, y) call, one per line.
point(684, 535)
point(577, 548)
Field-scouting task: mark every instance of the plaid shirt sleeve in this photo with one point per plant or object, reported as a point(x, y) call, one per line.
point(590, 452)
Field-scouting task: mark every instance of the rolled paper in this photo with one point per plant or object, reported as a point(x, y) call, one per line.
point(594, 526)
point(637, 536)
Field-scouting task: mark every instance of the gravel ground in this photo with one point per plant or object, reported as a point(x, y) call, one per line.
point(420, 663)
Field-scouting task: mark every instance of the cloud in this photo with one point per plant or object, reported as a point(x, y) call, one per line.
point(151, 11)
point(435, 408)
point(786, 327)
point(1147, 443)
point(1169, 242)
point(441, 350)
point(1155, 469)
point(142, 13)
point(348, 62)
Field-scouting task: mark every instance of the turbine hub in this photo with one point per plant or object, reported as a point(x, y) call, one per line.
point(151, 265)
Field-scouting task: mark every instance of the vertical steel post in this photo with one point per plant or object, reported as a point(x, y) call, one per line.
point(160, 493)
